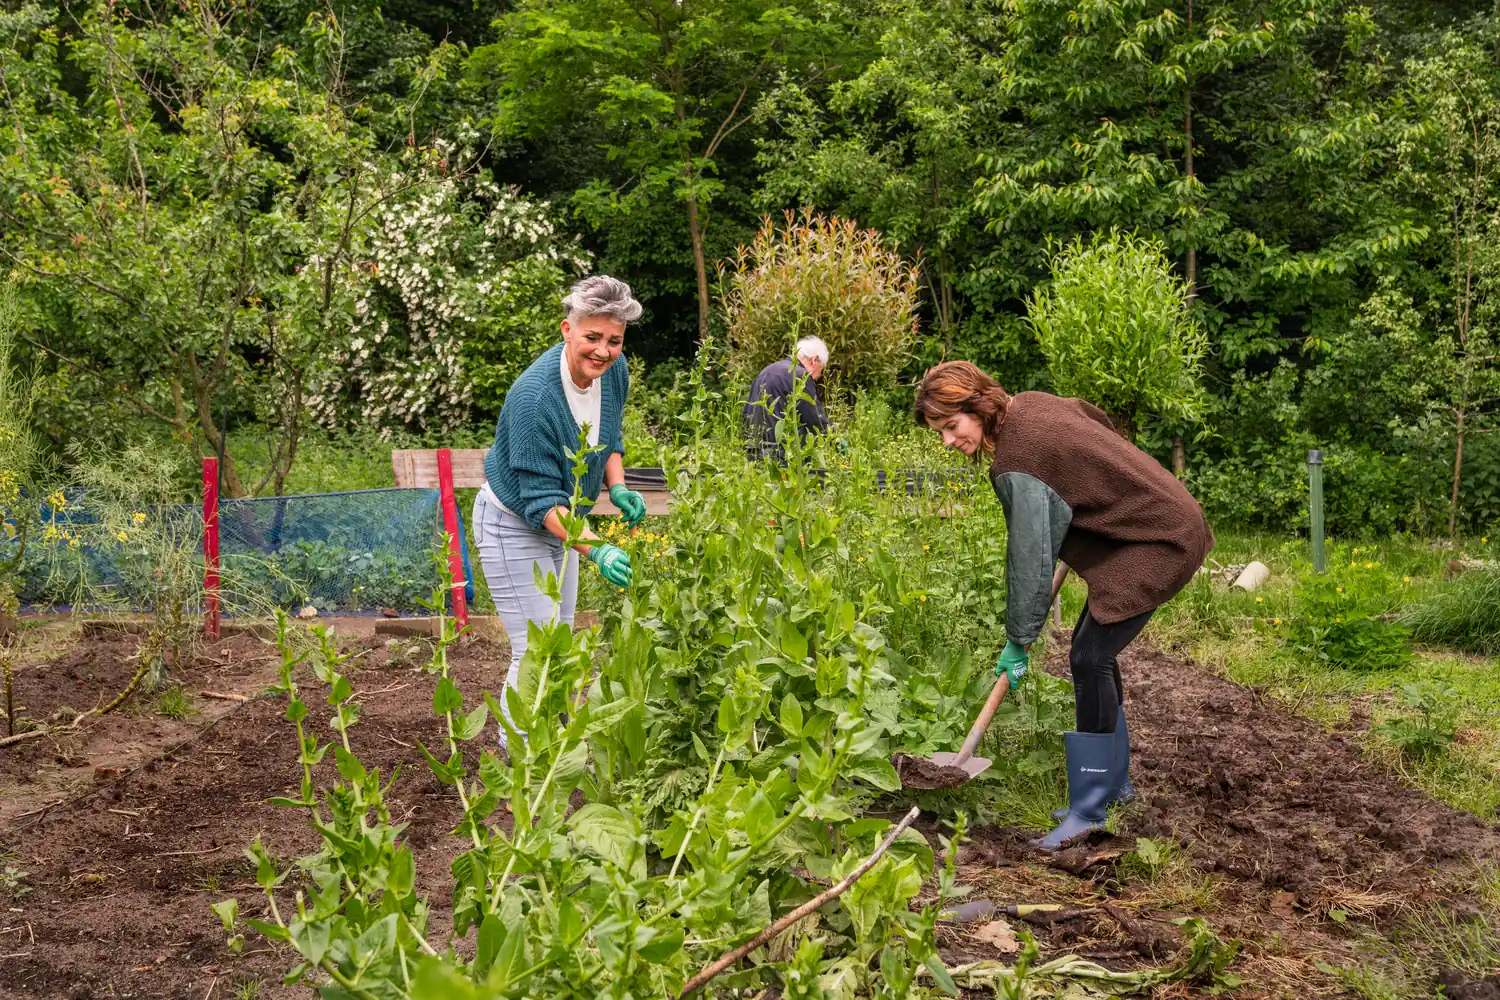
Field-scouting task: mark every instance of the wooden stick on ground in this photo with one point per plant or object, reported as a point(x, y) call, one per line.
point(222, 697)
point(726, 961)
point(30, 734)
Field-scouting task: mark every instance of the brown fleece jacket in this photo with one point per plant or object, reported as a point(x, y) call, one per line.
point(1136, 535)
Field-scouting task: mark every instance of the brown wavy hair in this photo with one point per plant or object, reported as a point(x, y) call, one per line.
point(960, 387)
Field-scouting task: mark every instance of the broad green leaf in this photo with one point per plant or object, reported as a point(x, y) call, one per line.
point(228, 912)
point(349, 765)
point(466, 727)
point(793, 643)
point(436, 980)
point(657, 945)
point(877, 771)
point(791, 717)
point(940, 975)
point(610, 834)
point(312, 939)
point(492, 934)
point(446, 697)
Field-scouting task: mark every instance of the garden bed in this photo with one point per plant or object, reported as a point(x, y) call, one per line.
point(1280, 825)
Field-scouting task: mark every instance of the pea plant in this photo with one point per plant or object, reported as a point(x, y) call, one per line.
point(720, 732)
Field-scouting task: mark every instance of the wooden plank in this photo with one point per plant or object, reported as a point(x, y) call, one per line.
point(419, 468)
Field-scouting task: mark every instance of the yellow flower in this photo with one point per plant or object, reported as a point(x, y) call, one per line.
point(57, 500)
point(1339, 589)
point(926, 547)
point(924, 597)
point(1406, 579)
point(1275, 621)
point(122, 536)
point(1260, 600)
point(1356, 551)
point(138, 519)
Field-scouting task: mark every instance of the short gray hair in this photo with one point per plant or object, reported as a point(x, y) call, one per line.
point(601, 295)
point(812, 347)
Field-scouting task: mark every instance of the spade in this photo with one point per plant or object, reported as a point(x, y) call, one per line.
point(948, 770)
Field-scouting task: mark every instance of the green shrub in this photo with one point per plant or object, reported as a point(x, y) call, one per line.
point(1116, 328)
point(1431, 722)
point(1341, 620)
point(823, 277)
point(1465, 616)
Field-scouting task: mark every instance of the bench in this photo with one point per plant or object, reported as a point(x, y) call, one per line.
point(450, 469)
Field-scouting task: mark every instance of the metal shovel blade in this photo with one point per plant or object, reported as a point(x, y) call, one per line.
point(941, 770)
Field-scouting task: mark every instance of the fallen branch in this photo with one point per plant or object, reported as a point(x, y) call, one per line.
point(221, 696)
point(724, 962)
point(30, 734)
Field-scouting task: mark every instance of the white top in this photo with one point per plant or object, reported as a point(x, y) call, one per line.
point(584, 404)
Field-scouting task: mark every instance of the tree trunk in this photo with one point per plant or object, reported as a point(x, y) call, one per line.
point(1179, 456)
point(1458, 468)
point(700, 262)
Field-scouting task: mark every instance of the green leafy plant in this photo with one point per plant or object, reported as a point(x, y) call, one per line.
point(824, 277)
point(13, 882)
point(1342, 619)
point(1116, 327)
point(1430, 723)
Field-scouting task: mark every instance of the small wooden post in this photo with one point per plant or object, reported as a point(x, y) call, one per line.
point(211, 546)
point(450, 525)
point(1315, 507)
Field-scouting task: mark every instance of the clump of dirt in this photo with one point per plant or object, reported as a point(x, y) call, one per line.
point(1457, 986)
point(919, 772)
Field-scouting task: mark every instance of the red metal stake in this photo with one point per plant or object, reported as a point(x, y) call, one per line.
point(450, 525)
point(211, 546)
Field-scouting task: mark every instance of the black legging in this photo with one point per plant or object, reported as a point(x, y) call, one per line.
point(1098, 691)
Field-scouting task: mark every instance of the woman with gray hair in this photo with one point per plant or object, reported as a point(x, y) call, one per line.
point(580, 383)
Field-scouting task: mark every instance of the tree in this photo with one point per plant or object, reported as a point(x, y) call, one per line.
point(662, 86)
point(186, 230)
point(897, 148)
point(1450, 159)
point(1116, 327)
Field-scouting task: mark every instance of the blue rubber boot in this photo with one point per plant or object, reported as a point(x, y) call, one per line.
point(1091, 771)
point(1122, 790)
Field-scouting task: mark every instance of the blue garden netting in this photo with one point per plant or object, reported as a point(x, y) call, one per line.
point(366, 551)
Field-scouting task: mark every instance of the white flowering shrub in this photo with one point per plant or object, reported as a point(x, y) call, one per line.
point(460, 287)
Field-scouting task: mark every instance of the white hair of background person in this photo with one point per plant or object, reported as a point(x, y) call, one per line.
point(812, 347)
point(601, 295)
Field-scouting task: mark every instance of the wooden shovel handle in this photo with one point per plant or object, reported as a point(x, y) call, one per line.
point(976, 733)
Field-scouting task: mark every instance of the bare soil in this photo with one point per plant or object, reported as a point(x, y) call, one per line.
point(1286, 822)
point(1280, 821)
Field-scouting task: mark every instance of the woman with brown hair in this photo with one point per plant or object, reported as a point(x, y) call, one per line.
point(1072, 488)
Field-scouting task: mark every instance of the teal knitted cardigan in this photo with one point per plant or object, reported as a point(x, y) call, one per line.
point(528, 466)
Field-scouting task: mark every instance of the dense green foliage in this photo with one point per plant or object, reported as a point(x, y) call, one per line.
point(360, 216)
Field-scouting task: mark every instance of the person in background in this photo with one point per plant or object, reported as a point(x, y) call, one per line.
point(1072, 487)
point(580, 383)
point(766, 404)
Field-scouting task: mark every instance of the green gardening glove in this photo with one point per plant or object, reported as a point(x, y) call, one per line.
point(613, 563)
point(1013, 661)
point(632, 505)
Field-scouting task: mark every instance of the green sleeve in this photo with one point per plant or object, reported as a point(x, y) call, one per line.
point(1036, 521)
